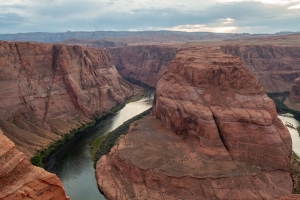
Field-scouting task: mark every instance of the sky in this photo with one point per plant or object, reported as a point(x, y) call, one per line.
point(222, 16)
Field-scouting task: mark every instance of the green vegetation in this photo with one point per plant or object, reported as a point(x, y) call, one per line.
point(279, 99)
point(41, 156)
point(295, 172)
point(102, 145)
point(288, 124)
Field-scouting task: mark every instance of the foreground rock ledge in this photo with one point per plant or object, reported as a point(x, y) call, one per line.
point(19, 179)
point(214, 134)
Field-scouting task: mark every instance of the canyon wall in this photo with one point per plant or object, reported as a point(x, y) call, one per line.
point(146, 63)
point(48, 90)
point(275, 66)
point(293, 100)
point(19, 179)
point(213, 134)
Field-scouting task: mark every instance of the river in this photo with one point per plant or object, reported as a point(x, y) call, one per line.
point(72, 163)
point(287, 117)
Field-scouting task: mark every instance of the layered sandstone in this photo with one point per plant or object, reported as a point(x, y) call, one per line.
point(293, 100)
point(214, 134)
point(19, 179)
point(145, 63)
point(275, 65)
point(295, 91)
point(48, 90)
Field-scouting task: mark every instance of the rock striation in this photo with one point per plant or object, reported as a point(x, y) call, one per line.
point(275, 66)
point(214, 134)
point(295, 91)
point(19, 179)
point(145, 63)
point(48, 90)
point(293, 100)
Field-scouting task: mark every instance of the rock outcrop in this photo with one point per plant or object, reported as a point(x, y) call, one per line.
point(295, 91)
point(145, 63)
point(19, 179)
point(275, 66)
point(48, 90)
point(293, 100)
point(214, 134)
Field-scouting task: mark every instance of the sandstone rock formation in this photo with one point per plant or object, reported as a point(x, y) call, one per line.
point(48, 90)
point(293, 100)
point(275, 66)
point(295, 91)
point(20, 180)
point(145, 63)
point(214, 134)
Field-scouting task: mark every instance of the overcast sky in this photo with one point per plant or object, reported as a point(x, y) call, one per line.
point(257, 16)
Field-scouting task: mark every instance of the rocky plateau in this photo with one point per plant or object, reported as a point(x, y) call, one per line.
point(213, 134)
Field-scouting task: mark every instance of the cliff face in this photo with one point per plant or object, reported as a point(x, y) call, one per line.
point(214, 134)
point(293, 101)
point(145, 63)
point(48, 90)
point(295, 91)
point(21, 180)
point(275, 66)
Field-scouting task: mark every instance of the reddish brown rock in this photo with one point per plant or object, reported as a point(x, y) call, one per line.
point(295, 91)
point(214, 135)
point(275, 65)
point(145, 63)
point(293, 101)
point(48, 90)
point(19, 179)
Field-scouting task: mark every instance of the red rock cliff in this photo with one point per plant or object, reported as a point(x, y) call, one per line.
point(21, 180)
point(275, 66)
point(214, 135)
point(48, 90)
point(146, 63)
point(295, 91)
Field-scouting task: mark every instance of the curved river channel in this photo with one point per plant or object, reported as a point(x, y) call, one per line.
point(72, 162)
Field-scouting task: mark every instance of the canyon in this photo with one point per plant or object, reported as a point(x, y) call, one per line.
point(274, 61)
point(293, 100)
point(212, 125)
point(51, 90)
point(145, 63)
point(213, 134)
point(21, 180)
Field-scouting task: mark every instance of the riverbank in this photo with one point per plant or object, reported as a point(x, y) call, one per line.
point(41, 156)
point(279, 99)
point(103, 144)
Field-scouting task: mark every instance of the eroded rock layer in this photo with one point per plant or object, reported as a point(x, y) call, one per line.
point(145, 63)
point(48, 90)
point(214, 134)
point(293, 100)
point(295, 91)
point(19, 179)
point(275, 66)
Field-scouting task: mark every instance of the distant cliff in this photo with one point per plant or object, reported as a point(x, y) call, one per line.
point(275, 66)
point(48, 90)
point(146, 63)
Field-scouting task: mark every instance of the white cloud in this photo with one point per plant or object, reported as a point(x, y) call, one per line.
point(203, 28)
point(294, 7)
